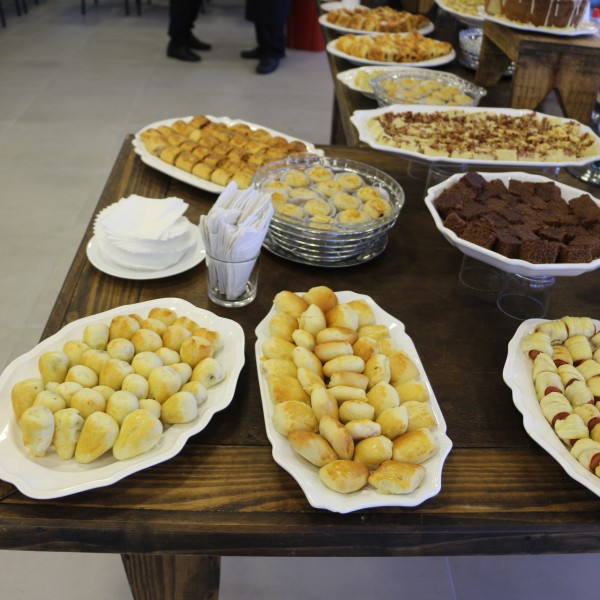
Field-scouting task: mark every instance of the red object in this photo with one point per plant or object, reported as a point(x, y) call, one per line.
point(303, 30)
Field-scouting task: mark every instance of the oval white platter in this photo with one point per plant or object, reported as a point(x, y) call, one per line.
point(160, 165)
point(307, 475)
point(428, 28)
point(517, 376)
point(51, 477)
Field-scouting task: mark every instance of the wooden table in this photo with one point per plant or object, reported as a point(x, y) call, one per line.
point(223, 495)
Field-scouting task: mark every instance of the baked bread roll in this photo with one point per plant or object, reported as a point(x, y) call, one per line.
point(23, 394)
point(123, 326)
point(275, 347)
point(393, 421)
point(53, 366)
point(145, 362)
point(278, 366)
point(152, 406)
point(174, 336)
point(283, 325)
point(366, 347)
point(214, 337)
point(209, 372)
point(166, 315)
point(342, 315)
point(303, 338)
point(104, 390)
point(349, 378)
point(312, 320)
point(336, 334)
point(355, 409)
point(181, 407)
point(309, 380)
point(311, 446)
point(412, 391)
point(377, 369)
point(286, 387)
point(344, 363)
point(381, 396)
point(113, 373)
point(146, 340)
point(328, 350)
point(163, 383)
point(37, 427)
point(290, 303)
point(88, 401)
point(394, 477)
point(365, 313)
point(74, 350)
point(402, 368)
point(68, 424)
point(372, 451)
point(338, 436)
point(136, 384)
point(195, 349)
point(323, 403)
point(120, 404)
point(304, 358)
point(291, 415)
point(420, 415)
point(98, 435)
point(121, 349)
point(67, 389)
point(155, 325)
point(344, 476)
point(323, 296)
point(93, 359)
point(344, 393)
point(415, 446)
point(96, 336)
point(51, 400)
point(361, 429)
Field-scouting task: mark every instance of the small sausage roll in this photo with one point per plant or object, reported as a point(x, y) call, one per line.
point(536, 342)
point(580, 326)
point(579, 348)
point(561, 356)
point(569, 374)
point(542, 362)
point(587, 452)
point(591, 417)
point(555, 330)
point(547, 382)
point(555, 406)
point(589, 369)
point(571, 428)
point(578, 393)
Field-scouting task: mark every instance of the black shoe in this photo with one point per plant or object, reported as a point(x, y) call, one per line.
point(182, 53)
point(196, 44)
point(267, 65)
point(254, 53)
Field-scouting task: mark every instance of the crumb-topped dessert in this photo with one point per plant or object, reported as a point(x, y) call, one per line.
point(524, 219)
point(541, 13)
point(382, 19)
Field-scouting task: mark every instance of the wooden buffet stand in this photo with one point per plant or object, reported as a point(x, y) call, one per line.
point(223, 494)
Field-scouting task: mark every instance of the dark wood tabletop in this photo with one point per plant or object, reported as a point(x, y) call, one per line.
point(223, 494)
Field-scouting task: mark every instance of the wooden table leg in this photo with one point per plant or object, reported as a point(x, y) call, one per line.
point(337, 130)
point(172, 577)
point(493, 63)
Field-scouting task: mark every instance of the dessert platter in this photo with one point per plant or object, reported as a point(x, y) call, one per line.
point(410, 49)
point(319, 483)
point(567, 434)
point(473, 135)
point(516, 248)
point(207, 152)
point(44, 474)
point(469, 12)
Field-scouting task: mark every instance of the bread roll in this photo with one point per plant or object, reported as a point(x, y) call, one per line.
point(343, 393)
point(139, 433)
point(23, 394)
point(136, 384)
point(155, 325)
point(98, 435)
point(323, 403)
point(365, 347)
point(123, 326)
point(382, 396)
point(278, 366)
point(181, 407)
point(415, 446)
point(344, 476)
point(342, 315)
point(183, 370)
point(185, 321)
point(53, 366)
point(393, 421)
point(84, 376)
point(338, 436)
point(322, 296)
point(146, 340)
point(163, 383)
point(344, 363)
point(114, 372)
point(68, 424)
point(120, 404)
point(372, 451)
point(74, 349)
point(275, 347)
point(394, 477)
point(355, 409)
point(303, 338)
point(88, 401)
point(377, 369)
point(291, 415)
point(145, 362)
point(402, 368)
point(285, 387)
point(152, 406)
point(361, 429)
point(304, 358)
point(67, 389)
point(375, 331)
point(50, 400)
point(209, 372)
point(214, 337)
point(290, 303)
point(283, 325)
point(365, 313)
point(336, 334)
point(312, 320)
point(195, 349)
point(311, 446)
point(349, 378)
point(174, 335)
point(420, 415)
point(94, 359)
point(37, 426)
point(166, 315)
point(96, 336)
point(105, 391)
point(309, 380)
point(328, 350)
point(121, 349)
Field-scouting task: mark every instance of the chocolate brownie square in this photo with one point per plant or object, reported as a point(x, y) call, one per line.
point(575, 254)
point(474, 180)
point(539, 251)
point(524, 232)
point(586, 209)
point(494, 187)
point(480, 235)
point(455, 223)
point(587, 240)
point(523, 189)
point(553, 234)
point(512, 215)
point(472, 210)
point(547, 190)
point(507, 244)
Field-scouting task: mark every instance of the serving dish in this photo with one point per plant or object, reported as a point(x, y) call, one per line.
point(50, 477)
point(509, 265)
point(517, 376)
point(306, 474)
point(584, 28)
point(330, 244)
point(425, 29)
point(433, 62)
point(160, 165)
point(192, 257)
point(473, 20)
point(401, 87)
point(360, 120)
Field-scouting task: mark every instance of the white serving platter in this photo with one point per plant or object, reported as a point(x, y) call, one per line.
point(584, 28)
point(306, 474)
point(425, 29)
point(160, 165)
point(51, 477)
point(509, 265)
point(466, 18)
point(517, 376)
point(433, 62)
point(360, 119)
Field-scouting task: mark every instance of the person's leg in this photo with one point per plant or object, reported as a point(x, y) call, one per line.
point(271, 41)
point(180, 27)
point(192, 40)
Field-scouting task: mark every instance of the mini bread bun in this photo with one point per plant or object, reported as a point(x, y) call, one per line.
point(420, 415)
point(365, 313)
point(74, 350)
point(84, 376)
point(323, 296)
point(276, 347)
point(394, 477)
point(344, 476)
point(113, 372)
point(323, 403)
point(372, 451)
point(285, 387)
point(122, 349)
point(52, 400)
point(415, 446)
point(283, 325)
point(382, 396)
point(355, 409)
point(120, 404)
point(303, 338)
point(377, 369)
point(68, 424)
point(349, 378)
point(375, 331)
point(344, 363)
point(312, 320)
point(344, 393)
point(214, 337)
point(338, 436)
point(290, 303)
point(393, 421)
point(152, 406)
point(209, 372)
point(174, 335)
point(336, 334)
point(139, 433)
point(328, 350)
point(88, 401)
point(361, 429)
point(96, 336)
point(136, 384)
point(146, 340)
point(163, 383)
point(304, 358)
point(402, 368)
point(94, 359)
point(311, 446)
point(122, 326)
point(412, 391)
point(342, 315)
point(183, 321)
point(155, 325)
point(291, 415)
point(98, 435)
point(181, 407)
point(37, 427)
point(166, 315)
point(53, 366)
point(309, 380)
point(365, 347)
point(195, 349)
point(197, 389)
point(145, 362)
point(278, 366)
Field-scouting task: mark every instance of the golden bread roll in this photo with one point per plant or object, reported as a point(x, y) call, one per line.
point(98, 435)
point(309, 380)
point(53, 366)
point(166, 315)
point(283, 325)
point(286, 387)
point(275, 347)
point(74, 349)
point(344, 476)
point(94, 359)
point(139, 433)
point(181, 407)
point(23, 394)
point(113, 372)
point(304, 358)
point(372, 451)
point(323, 403)
point(183, 370)
point(196, 388)
point(174, 336)
point(51, 400)
point(343, 393)
point(120, 404)
point(121, 349)
point(393, 421)
point(415, 446)
point(67, 389)
point(209, 372)
point(155, 325)
point(83, 375)
point(349, 378)
point(123, 326)
point(394, 477)
point(366, 347)
point(105, 391)
point(342, 315)
point(68, 424)
point(136, 384)
point(402, 368)
point(412, 391)
point(328, 350)
point(163, 383)
point(146, 340)
point(214, 337)
point(338, 436)
point(37, 426)
point(195, 349)
point(377, 369)
point(96, 336)
point(145, 362)
point(152, 406)
point(336, 334)
point(88, 401)
point(290, 303)
point(303, 338)
point(344, 363)
point(291, 415)
point(322, 296)
point(312, 320)
point(375, 331)
point(351, 410)
point(420, 415)
point(311, 446)
point(278, 366)
point(381, 396)
point(361, 429)
point(168, 356)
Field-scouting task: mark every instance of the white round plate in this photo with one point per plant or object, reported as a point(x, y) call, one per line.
point(51, 477)
point(192, 257)
point(467, 19)
point(307, 475)
point(428, 28)
point(509, 265)
point(517, 376)
point(327, 6)
point(160, 165)
point(584, 28)
point(433, 62)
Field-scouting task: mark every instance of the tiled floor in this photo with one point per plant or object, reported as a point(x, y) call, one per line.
point(71, 87)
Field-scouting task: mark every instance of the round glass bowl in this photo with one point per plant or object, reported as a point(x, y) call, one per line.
point(329, 212)
point(419, 86)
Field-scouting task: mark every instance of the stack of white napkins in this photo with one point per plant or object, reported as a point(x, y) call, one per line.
point(145, 234)
point(233, 231)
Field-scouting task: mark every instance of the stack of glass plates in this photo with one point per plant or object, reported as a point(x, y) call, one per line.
point(470, 47)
